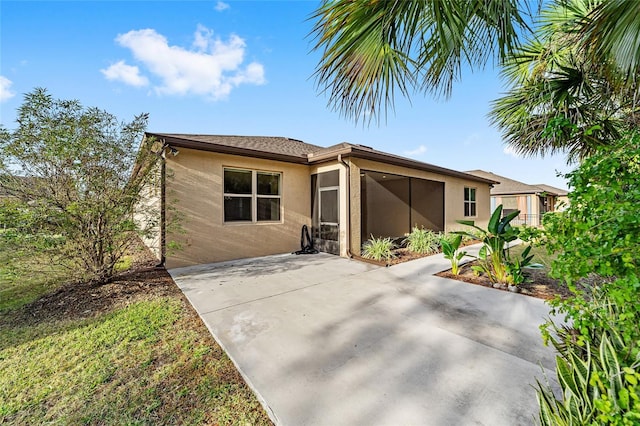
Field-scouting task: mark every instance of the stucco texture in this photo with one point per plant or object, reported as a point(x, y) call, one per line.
point(195, 193)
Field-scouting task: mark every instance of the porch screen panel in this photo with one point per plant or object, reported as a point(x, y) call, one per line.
point(321, 180)
point(427, 204)
point(325, 211)
point(385, 205)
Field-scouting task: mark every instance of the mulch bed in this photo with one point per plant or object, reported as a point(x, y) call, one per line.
point(537, 283)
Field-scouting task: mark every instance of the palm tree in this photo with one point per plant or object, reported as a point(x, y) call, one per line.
point(611, 33)
point(561, 99)
point(371, 48)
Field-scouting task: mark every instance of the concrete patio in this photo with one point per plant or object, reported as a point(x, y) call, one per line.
point(325, 340)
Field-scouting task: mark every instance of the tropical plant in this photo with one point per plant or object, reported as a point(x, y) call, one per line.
point(76, 175)
point(596, 238)
point(560, 99)
point(611, 33)
point(373, 49)
point(515, 266)
point(378, 249)
point(493, 258)
point(422, 241)
point(370, 49)
point(599, 375)
point(451, 250)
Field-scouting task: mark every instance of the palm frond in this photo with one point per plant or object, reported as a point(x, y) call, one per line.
point(612, 32)
point(373, 48)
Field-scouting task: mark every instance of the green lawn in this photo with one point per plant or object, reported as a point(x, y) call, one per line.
point(24, 278)
point(146, 359)
point(540, 255)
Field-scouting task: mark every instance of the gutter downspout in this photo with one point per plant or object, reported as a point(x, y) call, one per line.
point(163, 213)
point(348, 167)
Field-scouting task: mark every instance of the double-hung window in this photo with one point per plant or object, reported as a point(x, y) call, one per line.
point(251, 195)
point(469, 202)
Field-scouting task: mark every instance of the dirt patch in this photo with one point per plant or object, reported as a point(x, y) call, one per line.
point(537, 283)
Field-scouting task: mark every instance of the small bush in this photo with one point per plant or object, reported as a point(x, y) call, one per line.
point(598, 366)
point(451, 250)
point(378, 249)
point(422, 241)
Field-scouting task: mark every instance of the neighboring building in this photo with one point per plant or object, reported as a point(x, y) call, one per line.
point(245, 196)
point(532, 200)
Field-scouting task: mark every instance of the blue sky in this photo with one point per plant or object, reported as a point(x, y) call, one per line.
point(233, 67)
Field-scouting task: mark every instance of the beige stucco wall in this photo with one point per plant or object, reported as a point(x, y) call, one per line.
point(195, 190)
point(453, 196)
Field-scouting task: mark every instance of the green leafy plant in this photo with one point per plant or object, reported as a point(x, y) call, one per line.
point(516, 265)
point(451, 250)
point(379, 249)
point(598, 367)
point(597, 245)
point(77, 177)
point(493, 258)
point(598, 232)
point(422, 241)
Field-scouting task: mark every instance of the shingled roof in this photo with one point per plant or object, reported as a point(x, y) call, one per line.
point(507, 186)
point(281, 148)
point(296, 151)
point(552, 189)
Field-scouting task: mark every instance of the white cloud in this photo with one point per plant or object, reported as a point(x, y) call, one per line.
point(220, 6)
point(509, 150)
point(128, 74)
point(202, 37)
point(417, 152)
point(5, 89)
point(211, 68)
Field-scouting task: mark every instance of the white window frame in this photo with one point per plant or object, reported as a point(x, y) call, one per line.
point(254, 196)
point(469, 202)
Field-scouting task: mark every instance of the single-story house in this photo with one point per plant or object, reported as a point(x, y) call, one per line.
point(249, 196)
point(532, 200)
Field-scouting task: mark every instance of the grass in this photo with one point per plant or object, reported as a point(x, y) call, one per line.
point(540, 255)
point(149, 360)
point(24, 278)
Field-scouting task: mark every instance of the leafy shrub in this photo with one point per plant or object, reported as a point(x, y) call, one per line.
point(79, 175)
point(597, 236)
point(599, 363)
point(451, 250)
point(378, 249)
point(599, 231)
point(493, 258)
point(422, 241)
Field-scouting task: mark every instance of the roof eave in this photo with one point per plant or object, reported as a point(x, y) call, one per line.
point(323, 156)
point(225, 149)
point(406, 162)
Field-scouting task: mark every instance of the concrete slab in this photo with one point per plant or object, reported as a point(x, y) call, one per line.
point(324, 340)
